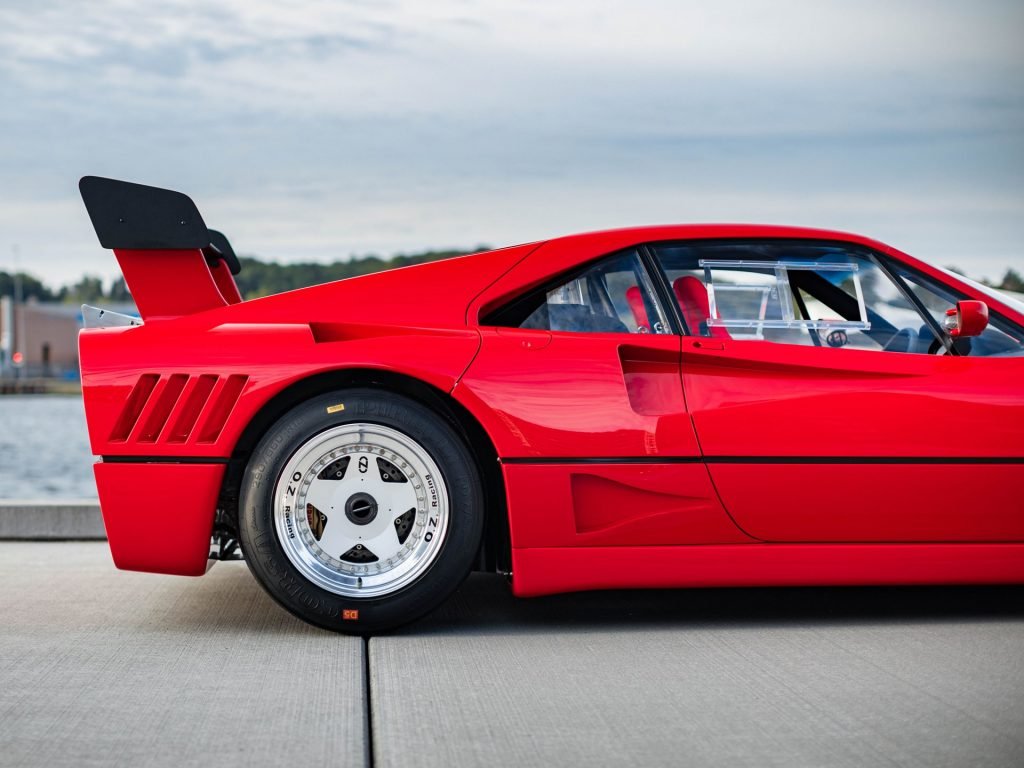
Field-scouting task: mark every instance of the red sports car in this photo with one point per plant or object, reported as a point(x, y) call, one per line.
point(699, 405)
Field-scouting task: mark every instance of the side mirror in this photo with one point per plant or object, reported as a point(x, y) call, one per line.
point(968, 318)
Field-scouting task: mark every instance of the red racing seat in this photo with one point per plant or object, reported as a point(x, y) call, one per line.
point(636, 305)
point(693, 302)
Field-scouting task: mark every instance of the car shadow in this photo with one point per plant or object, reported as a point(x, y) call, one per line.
point(484, 604)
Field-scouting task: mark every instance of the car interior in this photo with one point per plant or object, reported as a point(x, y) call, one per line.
point(826, 297)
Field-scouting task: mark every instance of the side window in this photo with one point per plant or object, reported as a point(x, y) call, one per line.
point(614, 295)
point(999, 338)
point(811, 294)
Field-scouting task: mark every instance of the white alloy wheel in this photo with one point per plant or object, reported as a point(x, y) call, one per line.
point(361, 510)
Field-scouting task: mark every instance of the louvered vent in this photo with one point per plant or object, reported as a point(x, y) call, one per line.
point(133, 407)
point(188, 414)
point(168, 408)
point(223, 404)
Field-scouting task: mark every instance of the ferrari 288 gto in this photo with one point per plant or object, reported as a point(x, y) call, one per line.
point(672, 406)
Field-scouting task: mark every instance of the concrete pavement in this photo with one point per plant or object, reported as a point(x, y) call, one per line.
point(773, 677)
point(100, 667)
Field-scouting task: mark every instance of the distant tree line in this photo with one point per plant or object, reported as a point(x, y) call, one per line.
point(88, 289)
point(263, 278)
point(1012, 281)
point(257, 278)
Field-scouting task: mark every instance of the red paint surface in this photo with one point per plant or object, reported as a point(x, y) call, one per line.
point(874, 502)
point(541, 394)
point(225, 282)
point(271, 357)
point(552, 570)
point(159, 517)
point(614, 505)
point(167, 284)
point(756, 398)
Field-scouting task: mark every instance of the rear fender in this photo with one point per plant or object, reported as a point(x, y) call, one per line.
point(155, 391)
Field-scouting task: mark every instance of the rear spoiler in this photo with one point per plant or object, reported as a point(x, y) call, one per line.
point(172, 263)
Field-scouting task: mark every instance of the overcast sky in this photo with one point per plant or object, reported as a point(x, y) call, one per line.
point(315, 130)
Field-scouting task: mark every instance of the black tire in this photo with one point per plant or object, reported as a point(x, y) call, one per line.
point(278, 574)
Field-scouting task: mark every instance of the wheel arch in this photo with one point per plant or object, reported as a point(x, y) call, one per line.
point(495, 552)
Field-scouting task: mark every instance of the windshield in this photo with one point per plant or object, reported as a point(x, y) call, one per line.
point(987, 290)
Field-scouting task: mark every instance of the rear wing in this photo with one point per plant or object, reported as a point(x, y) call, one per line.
point(172, 263)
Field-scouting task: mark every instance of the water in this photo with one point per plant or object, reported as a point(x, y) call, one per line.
point(44, 448)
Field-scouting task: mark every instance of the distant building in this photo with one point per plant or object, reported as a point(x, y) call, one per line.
point(45, 335)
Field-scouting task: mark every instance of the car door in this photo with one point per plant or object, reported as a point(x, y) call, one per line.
point(578, 384)
point(829, 406)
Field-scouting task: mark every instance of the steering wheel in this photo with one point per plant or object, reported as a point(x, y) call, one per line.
point(901, 341)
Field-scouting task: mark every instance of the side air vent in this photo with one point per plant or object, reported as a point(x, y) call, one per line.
point(133, 407)
point(168, 408)
point(223, 404)
point(170, 391)
point(186, 419)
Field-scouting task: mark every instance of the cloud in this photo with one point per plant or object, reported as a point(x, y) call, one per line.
point(317, 129)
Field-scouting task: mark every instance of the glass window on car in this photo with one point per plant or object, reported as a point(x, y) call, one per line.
point(615, 295)
point(1000, 337)
point(810, 294)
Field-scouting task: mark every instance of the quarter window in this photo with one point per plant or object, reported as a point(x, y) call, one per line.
point(615, 295)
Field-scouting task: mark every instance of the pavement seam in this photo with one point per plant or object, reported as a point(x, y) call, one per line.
point(367, 705)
